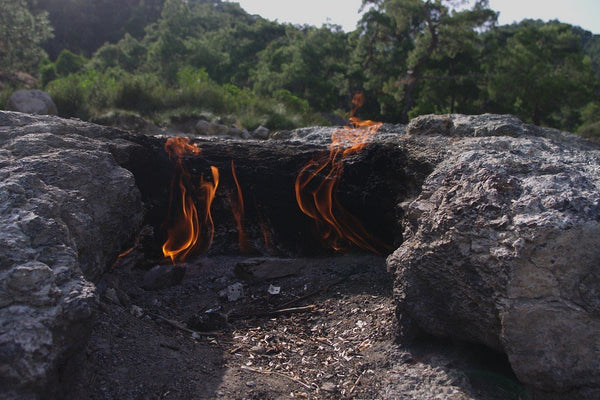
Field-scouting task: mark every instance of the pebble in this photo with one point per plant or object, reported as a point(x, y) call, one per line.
point(328, 387)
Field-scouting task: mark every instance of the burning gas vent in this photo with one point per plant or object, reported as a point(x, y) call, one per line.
point(326, 191)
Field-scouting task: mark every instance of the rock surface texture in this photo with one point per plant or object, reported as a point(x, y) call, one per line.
point(500, 242)
point(32, 101)
point(502, 247)
point(66, 206)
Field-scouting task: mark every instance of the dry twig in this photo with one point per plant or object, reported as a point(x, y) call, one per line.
point(356, 382)
point(181, 327)
point(274, 313)
point(269, 372)
point(324, 289)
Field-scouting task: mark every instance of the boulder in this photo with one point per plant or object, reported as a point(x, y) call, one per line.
point(66, 209)
point(502, 247)
point(206, 128)
point(261, 133)
point(31, 102)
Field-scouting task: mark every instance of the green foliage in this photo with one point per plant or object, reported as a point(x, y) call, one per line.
point(69, 63)
point(69, 96)
point(421, 55)
point(590, 130)
point(590, 115)
point(47, 71)
point(310, 63)
point(541, 74)
point(140, 92)
point(164, 58)
point(21, 36)
point(82, 26)
point(84, 94)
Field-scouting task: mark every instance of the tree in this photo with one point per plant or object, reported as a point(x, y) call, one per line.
point(310, 63)
point(541, 73)
point(21, 36)
point(430, 34)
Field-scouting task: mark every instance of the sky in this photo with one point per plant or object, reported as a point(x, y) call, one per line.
point(584, 13)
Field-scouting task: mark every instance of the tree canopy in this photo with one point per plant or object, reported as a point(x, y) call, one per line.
point(409, 57)
point(21, 36)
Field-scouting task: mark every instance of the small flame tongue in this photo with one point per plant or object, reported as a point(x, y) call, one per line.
point(317, 182)
point(237, 207)
point(184, 233)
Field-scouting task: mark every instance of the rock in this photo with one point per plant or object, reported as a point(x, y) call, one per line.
point(32, 101)
point(66, 209)
point(206, 128)
point(262, 269)
point(502, 247)
point(127, 121)
point(329, 387)
point(261, 133)
point(235, 292)
point(163, 276)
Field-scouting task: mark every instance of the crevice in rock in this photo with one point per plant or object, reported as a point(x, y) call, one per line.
point(373, 183)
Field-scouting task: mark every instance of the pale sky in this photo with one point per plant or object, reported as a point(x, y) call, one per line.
point(584, 13)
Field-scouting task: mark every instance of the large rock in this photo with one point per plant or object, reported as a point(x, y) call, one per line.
point(502, 247)
point(66, 207)
point(32, 101)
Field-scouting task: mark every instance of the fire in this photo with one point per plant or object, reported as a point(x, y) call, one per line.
point(266, 234)
point(184, 233)
point(237, 207)
point(208, 191)
point(317, 182)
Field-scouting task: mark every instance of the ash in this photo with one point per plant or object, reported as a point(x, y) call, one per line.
point(319, 328)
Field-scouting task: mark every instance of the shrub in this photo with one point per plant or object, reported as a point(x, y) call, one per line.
point(47, 71)
point(69, 97)
point(142, 93)
point(590, 131)
point(69, 63)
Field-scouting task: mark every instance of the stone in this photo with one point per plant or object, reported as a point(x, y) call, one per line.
point(31, 101)
point(502, 247)
point(206, 128)
point(163, 276)
point(66, 208)
point(261, 133)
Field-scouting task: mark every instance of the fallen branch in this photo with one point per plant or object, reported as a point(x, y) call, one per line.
point(274, 313)
point(181, 327)
point(269, 372)
point(356, 382)
point(321, 290)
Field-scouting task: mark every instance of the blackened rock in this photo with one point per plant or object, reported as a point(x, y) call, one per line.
point(163, 276)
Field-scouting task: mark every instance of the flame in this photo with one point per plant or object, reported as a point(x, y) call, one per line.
point(317, 182)
point(237, 207)
point(208, 191)
point(266, 234)
point(184, 233)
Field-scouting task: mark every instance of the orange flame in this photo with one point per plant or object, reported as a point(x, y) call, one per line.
point(183, 235)
point(237, 207)
point(208, 191)
point(266, 233)
point(317, 182)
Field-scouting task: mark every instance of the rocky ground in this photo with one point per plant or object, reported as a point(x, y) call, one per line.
point(328, 334)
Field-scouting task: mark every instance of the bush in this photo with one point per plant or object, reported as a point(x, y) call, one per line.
point(141, 93)
point(197, 90)
point(69, 97)
point(590, 131)
point(47, 71)
point(69, 63)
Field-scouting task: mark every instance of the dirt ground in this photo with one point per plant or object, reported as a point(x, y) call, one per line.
point(327, 334)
